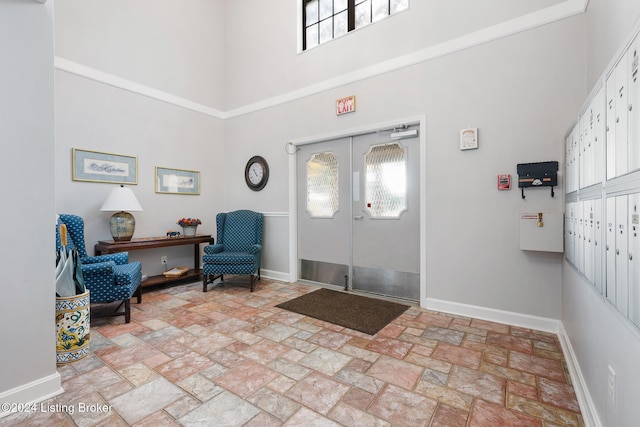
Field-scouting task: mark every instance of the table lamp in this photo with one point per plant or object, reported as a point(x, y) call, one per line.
point(122, 224)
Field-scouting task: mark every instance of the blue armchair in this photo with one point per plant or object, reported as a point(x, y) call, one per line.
point(238, 247)
point(110, 277)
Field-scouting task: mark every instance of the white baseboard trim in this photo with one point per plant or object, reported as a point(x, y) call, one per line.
point(494, 315)
point(587, 407)
point(275, 275)
point(33, 392)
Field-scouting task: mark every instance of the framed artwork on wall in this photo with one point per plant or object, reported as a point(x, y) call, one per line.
point(94, 166)
point(177, 181)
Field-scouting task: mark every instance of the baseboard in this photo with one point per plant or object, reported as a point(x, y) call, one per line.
point(494, 315)
point(275, 275)
point(33, 392)
point(587, 407)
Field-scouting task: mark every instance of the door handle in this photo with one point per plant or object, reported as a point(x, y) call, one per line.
point(358, 217)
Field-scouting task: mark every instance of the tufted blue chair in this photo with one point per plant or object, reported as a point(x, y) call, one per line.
point(110, 277)
point(238, 247)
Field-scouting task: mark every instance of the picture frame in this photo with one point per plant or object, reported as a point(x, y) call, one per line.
point(177, 181)
point(96, 166)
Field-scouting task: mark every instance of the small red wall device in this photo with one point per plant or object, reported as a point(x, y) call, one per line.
point(504, 182)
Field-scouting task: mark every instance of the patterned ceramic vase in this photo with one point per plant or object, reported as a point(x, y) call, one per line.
point(72, 327)
point(189, 230)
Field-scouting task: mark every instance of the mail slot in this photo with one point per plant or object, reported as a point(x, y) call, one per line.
point(541, 174)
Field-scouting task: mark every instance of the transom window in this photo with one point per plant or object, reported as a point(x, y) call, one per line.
point(324, 20)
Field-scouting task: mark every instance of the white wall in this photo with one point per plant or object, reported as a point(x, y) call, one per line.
point(175, 47)
point(165, 46)
point(520, 91)
point(262, 57)
point(27, 306)
point(600, 336)
point(95, 116)
point(609, 22)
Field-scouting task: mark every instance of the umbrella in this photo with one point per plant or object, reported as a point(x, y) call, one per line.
point(69, 280)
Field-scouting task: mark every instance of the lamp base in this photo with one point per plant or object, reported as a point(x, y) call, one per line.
point(122, 225)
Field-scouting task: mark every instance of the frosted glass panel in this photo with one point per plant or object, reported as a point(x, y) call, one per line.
point(339, 5)
point(326, 30)
point(386, 181)
point(312, 36)
point(363, 13)
point(312, 12)
point(380, 9)
point(322, 185)
point(398, 5)
point(340, 24)
point(326, 9)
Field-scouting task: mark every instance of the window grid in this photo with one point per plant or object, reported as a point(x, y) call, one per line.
point(325, 20)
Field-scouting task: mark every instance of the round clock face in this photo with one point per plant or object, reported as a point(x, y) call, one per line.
point(256, 173)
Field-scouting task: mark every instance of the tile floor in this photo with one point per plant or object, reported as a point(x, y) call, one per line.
point(229, 357)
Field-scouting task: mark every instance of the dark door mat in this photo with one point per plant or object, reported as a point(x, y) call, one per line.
point(368, 315)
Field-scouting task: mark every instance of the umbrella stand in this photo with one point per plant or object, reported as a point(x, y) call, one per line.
point(72, 311)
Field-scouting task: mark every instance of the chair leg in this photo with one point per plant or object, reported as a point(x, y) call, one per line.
point(210, 278)
point(252, 280)
point(139, 294)
point(127, 311)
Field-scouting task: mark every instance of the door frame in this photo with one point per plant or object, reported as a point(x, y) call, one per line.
point(421, 121)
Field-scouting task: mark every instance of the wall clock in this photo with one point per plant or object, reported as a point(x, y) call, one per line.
point(256, 173)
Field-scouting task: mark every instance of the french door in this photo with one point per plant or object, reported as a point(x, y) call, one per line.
point(358, 213)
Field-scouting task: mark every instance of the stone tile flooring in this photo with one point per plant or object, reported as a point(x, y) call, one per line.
point(228, 357)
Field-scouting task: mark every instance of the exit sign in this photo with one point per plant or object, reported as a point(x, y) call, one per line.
point(346, 105)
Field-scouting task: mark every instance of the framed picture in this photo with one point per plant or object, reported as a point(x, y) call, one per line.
point(177, 181)
point(94, 166)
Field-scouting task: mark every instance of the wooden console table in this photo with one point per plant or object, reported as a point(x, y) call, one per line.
point(104, 247)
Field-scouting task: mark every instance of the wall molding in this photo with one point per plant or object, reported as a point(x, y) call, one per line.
point(33, 392)
point(130, 86)
point(526, 22)
point(276, 214)
point(587, 407)
point(532, 20)
point(538, 323)
point(282, 276)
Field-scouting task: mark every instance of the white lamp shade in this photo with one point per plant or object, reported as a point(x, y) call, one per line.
point(121, 199)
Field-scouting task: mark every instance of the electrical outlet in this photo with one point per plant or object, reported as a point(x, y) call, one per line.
point(611, 387)
point(163, 260)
